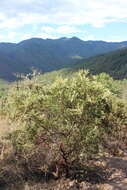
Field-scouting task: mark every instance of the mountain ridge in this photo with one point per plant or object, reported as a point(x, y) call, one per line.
point(49, 54)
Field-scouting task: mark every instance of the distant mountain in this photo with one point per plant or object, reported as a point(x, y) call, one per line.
point(114, 63)
point(48, 55)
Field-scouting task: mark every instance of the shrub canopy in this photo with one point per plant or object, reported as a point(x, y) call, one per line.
point(70, 118)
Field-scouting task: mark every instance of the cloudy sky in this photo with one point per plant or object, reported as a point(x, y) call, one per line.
point(86, 19)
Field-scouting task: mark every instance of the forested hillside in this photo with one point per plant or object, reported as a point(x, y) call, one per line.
point(115, 64)
point(48, 55)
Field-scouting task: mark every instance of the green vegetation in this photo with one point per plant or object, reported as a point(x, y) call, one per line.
point(53, 124)
point(57, 128)
point(115, 64)
point(48, 55)
point(3, 87)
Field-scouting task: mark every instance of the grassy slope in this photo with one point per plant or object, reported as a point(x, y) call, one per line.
point(50, 77)
point(3, 86)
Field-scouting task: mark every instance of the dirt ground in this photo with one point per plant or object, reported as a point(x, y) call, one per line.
point(116, 180)
point(118, 176)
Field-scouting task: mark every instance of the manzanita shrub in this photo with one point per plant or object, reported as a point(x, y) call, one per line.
point(65, 123)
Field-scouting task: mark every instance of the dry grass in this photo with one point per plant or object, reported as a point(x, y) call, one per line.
point(6, 148)
point(5, 127)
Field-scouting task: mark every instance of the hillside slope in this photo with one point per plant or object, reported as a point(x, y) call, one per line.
point(115, 64)
point(48, 55)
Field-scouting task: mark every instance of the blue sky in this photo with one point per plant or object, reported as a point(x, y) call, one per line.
point(86, 19)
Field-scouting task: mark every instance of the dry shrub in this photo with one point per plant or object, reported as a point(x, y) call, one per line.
point(60, 127)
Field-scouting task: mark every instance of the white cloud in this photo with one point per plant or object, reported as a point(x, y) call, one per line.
point(88, 37)
point(47, 29)
point(46, 36)
point(64, 29)
point(67, 30)
point(14, 13)
point(11, 35)
point(2, 37)
point(10, 23)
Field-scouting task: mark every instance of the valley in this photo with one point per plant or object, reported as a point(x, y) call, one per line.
point(49, 55)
